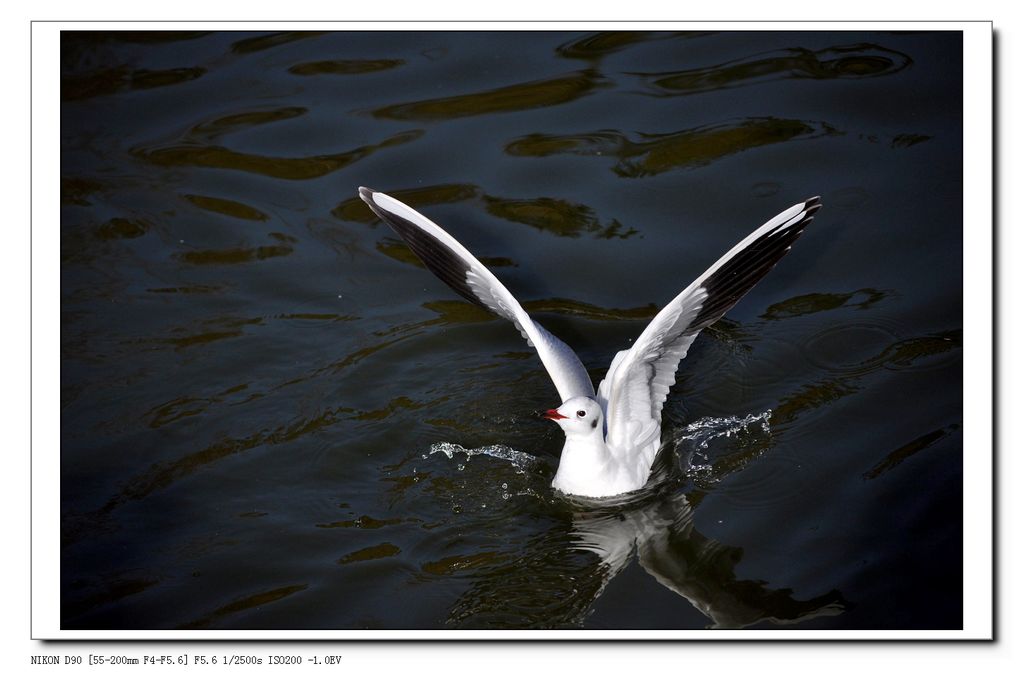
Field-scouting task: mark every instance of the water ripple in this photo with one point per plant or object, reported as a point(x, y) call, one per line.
point(272, 40)
point(259, 601)
point(597, 45)
point(812, 303)
point(915, 446)
point(239, 255)
point(210, 130)
point(531, 95)
point(165, 473)
point(840, 349)
point(557, 216)
point(355, 209)
point(234, 209)
point(850, 346)
point(343, 67)
point(111, 81)
point(651, 154)
point(861, 60)
point(285, 168)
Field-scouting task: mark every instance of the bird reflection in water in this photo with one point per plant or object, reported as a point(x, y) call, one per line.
point(668, 546)
point(553, 583)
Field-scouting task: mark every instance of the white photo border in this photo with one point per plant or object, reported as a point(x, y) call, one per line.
point(978, 367)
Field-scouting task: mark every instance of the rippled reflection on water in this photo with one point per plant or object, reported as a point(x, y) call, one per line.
point(272, 416)
point(653, 527)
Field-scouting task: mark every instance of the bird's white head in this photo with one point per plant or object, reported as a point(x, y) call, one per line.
point(580, 416)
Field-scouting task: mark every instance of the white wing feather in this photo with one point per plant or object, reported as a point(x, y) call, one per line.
point(638, 381)
point(457, 267)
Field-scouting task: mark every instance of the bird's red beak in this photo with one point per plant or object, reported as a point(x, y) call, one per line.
point(553, 415)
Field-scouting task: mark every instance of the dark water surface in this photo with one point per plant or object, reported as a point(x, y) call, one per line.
point(272, 416)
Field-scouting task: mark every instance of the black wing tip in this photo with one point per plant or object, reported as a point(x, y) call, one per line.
point(734, 279)
point(438, 257)
point(366, 194)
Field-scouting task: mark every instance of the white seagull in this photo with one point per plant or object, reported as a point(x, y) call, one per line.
point(611, 437)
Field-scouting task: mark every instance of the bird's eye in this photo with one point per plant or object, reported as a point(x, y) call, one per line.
point(581, 413)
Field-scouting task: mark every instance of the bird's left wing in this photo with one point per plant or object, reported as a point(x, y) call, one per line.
point(638, 381)
point(457, 267)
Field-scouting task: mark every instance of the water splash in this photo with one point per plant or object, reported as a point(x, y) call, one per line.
point(704, 430)
point(521, 462)
point(694, 445)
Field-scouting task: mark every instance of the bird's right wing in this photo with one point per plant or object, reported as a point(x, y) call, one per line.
point(455, 265)
point(638, 381)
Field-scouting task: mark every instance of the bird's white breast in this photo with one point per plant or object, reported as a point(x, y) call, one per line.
point(588, 468)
